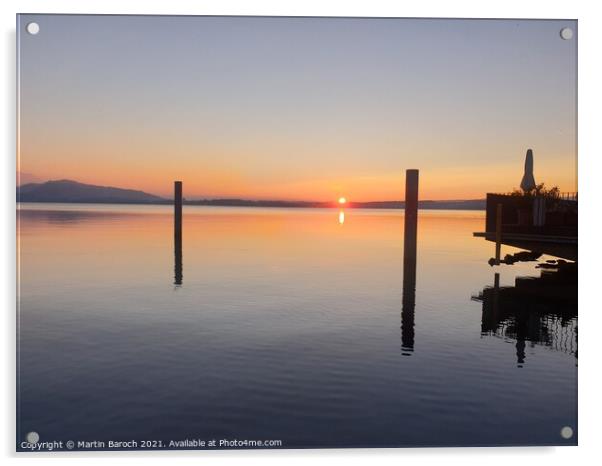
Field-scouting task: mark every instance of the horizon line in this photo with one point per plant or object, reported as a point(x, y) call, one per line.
point(209, 198)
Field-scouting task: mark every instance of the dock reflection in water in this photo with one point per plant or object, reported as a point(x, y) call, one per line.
point(537, 310)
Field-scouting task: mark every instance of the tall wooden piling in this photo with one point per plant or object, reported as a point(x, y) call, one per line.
point(409, 263)
point(177, 225)
point(411, 208)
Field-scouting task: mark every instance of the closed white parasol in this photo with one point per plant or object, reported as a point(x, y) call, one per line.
point(528, 182)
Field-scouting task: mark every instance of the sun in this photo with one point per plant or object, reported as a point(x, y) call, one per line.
point(342, 200)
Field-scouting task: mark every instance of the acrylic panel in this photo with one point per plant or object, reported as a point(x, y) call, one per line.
point(295, 232)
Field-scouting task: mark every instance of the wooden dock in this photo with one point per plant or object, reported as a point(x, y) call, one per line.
point(526, 223)
point(564, 247)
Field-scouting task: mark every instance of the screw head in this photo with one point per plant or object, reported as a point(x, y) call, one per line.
point(566, 432)
point(33, 28)
point(566, 33)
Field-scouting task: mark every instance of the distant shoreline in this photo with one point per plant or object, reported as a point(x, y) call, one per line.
point(73, 192)
point(394, 205)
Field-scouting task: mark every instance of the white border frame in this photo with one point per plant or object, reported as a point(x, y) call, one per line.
point(589, 30)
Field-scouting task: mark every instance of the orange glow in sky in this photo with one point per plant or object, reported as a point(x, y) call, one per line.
point(347, 111)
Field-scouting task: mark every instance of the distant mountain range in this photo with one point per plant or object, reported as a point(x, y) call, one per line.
point(74, 192)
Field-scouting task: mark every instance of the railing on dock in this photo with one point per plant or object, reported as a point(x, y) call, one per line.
point(569, 196)
point(566, 196)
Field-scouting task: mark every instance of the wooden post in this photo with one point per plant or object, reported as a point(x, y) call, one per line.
point(498, 234)
point(177, 226)
point(411, 206)
point(177, 206)
point(409, 263)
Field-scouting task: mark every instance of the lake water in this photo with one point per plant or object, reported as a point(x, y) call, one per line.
point(287, 326)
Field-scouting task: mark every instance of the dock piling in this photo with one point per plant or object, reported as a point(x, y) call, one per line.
point(411, 207)
point(498, 233)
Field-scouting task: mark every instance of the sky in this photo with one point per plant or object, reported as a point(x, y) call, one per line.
point(297, 108)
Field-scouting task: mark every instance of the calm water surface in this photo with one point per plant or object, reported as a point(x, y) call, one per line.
point(287, 325)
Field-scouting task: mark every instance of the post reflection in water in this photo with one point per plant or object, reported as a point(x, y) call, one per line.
point(409, 263)
point(178, 233)
point(178, 261)
point(408, 299)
